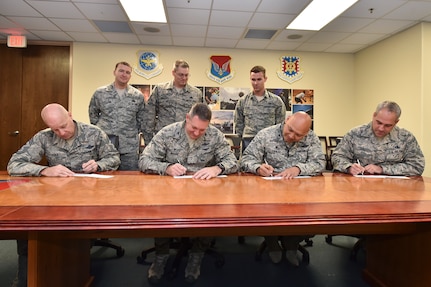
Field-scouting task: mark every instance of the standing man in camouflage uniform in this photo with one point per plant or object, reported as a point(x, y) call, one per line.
point(287, 150)
point(118, 109)
point(190, 146)
point(257, 110)
point(69, 147)
point(380, 147)
point(170, 102)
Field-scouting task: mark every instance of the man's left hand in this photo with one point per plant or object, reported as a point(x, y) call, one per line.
point(207, 172)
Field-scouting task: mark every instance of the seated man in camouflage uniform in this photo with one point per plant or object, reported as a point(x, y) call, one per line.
point(287, 150)
point(69, 147)
point(380, 147)
point(190, 146)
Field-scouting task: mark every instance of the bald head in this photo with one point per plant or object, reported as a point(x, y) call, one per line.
point(59, 120)
point(296, 127)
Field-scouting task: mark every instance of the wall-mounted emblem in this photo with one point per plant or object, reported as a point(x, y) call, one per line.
point(220, 69)
point(148, 64)
point(290, 70)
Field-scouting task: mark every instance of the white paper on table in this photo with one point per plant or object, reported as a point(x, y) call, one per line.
point(280, 177)
point(94, 175)
point(191, 176)
point(381, 176)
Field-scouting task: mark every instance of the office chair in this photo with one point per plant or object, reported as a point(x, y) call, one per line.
point(301, 248)
point(326, 152)
point(360, 244)
point(105, 242)
point(182, 245)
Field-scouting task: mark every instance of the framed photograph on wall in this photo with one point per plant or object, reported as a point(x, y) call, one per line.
point(285, 95)
point(229, 96)
point(223, 120)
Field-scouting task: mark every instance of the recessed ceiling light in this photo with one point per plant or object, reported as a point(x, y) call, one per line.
point(145, 10)
point(319, 13)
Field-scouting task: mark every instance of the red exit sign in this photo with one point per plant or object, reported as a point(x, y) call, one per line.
point(15, 41)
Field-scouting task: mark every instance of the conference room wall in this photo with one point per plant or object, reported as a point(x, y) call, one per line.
point(399, 69)
point(331, 75)
point(347, 86)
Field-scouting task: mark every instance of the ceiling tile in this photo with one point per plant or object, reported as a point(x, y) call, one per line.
point(34, 23)
point(286, 6)
point(199, 4)
point(57, 9)
point(252, 44)
point(121, 38)
point(189, 30)
point(87, 37)
point(359, 38)
point(343, 24)
point(186, 16)
point(386, 26)
point(155, 40)
point(17, 8)
point(77, 25)
point(188, 41)
point(410, 11)
point(270, 21)
point(230, 18)
point(249, 5)
point(225, 32)
point(106, 12)
point(52, 35)
point(227, 43)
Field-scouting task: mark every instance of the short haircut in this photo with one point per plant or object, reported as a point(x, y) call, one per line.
point(122, 63)
point(258, 69)
point(181, 63)
point(391, 107)
point(202, 111)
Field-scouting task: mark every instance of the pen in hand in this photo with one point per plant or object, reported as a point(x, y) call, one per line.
point(362, 172)
point(268, 164)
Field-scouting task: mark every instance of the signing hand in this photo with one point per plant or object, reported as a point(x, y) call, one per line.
point(176, 169)
point(90, 166)
point(265, 170)
point(356, 168)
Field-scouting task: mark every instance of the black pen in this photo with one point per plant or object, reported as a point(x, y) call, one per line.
point(362, 173)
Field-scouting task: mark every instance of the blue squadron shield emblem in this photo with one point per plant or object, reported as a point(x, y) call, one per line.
point(148, 64)
point(220, 69)
point(290, 71)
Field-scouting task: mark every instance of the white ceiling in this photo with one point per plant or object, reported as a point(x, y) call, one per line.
point(211, 23)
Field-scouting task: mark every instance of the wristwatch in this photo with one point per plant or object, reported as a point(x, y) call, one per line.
point(221, 166)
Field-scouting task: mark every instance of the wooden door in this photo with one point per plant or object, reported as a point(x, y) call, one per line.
point(30, 78)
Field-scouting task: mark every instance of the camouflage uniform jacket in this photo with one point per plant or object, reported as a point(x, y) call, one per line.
point(398, 153)
point(171, 145)
point(117, 115)
point(269, 145)
point(252, 115)
point(166, 106)
point(89, 143)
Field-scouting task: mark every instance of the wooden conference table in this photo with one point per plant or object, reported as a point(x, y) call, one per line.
point(59, 215)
